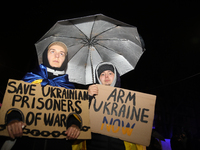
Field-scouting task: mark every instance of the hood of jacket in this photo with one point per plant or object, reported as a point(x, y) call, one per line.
point(116, 81)
point(54, 71)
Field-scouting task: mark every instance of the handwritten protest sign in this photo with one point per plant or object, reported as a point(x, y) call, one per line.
point(45, 110)
point(123, 114)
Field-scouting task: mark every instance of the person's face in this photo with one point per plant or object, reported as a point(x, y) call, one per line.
point(56, 56)
point(107, 77)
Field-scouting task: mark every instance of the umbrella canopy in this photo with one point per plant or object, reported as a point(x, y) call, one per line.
point(91, 40)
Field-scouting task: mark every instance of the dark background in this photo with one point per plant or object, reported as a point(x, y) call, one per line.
point(169, 68)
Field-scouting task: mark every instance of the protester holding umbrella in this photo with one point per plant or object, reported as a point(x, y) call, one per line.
point(51, 72)
point(107, 74)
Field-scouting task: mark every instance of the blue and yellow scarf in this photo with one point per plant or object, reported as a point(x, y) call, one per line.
point(40, 74)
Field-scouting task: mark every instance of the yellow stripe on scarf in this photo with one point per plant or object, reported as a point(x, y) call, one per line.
point(140, 147)
point(79, 145)
point(37, 81)
point(132, 146)
point(77, 117)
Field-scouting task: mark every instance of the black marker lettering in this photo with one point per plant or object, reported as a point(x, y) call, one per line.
point(16, 98)
point(120, 95)
point(11, 85)
point(113, 94)
point(79, 110)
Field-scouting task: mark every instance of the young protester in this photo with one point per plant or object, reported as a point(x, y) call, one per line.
point(106, 74)
point(51, 72)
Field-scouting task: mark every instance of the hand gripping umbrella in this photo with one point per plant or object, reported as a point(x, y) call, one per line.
point(91, 40)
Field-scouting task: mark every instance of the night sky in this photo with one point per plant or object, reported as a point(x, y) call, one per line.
point(169, 68)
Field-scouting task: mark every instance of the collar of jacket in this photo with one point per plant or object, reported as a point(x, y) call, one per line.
point(55, 72)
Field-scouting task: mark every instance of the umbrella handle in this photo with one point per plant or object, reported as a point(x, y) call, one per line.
point(91, 65)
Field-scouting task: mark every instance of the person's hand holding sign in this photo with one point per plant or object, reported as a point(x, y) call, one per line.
point(73, 132)
point(15, 128)
point(93, 90)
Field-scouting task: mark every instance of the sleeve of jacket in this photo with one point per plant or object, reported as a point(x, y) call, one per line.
point(90, 100)
point(13, 115)
point(73, 119)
